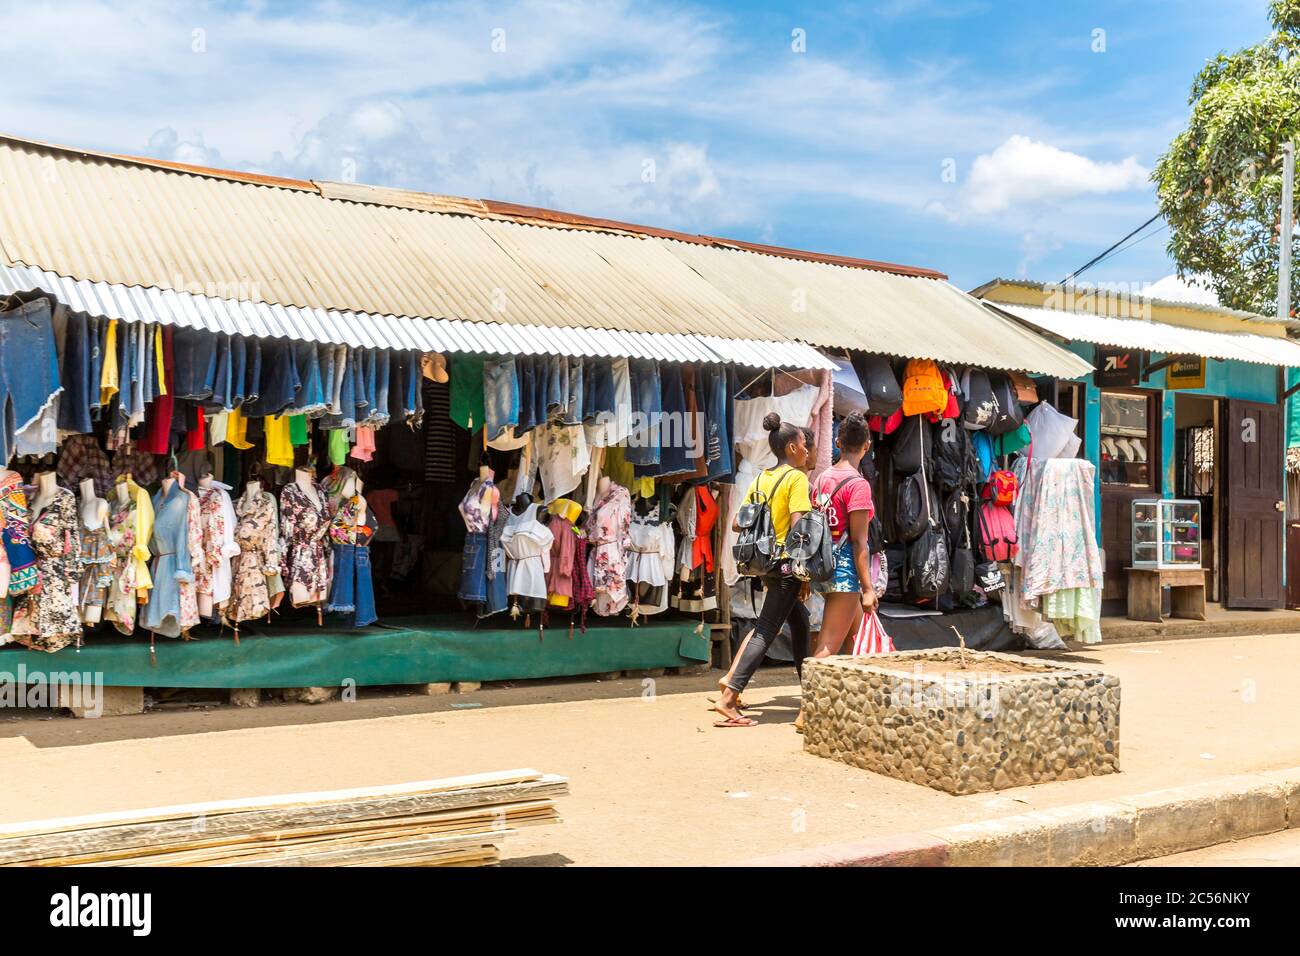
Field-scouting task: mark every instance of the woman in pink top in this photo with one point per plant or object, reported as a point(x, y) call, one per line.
point(848, 592)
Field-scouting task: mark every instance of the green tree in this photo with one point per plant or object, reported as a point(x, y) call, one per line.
point(1220, 182)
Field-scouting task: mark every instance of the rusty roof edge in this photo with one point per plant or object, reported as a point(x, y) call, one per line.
point(492, 209)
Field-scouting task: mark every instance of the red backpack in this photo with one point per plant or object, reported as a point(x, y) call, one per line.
point(998, 538)
point(1001, 487)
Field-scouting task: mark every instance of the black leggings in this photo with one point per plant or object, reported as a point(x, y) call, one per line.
point(780, 606)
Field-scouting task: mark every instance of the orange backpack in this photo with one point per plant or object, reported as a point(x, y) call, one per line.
point(923, 388)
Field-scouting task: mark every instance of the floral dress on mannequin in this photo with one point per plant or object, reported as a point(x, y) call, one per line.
point(303, 561)
point(608, 539)
point(257, 534)
point(48, 619)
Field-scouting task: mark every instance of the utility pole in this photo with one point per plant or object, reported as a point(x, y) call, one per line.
point(1284, 245)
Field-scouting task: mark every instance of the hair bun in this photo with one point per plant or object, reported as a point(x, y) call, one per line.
point(771, 421)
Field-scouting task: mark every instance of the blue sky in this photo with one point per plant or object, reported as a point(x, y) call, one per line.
point(704, 117)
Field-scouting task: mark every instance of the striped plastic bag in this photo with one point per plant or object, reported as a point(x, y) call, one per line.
point(871, 637)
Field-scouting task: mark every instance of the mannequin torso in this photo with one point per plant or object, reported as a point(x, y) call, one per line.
point(94, 510)
point(46, 487)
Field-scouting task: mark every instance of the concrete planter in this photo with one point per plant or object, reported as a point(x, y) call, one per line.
point(1007, 721)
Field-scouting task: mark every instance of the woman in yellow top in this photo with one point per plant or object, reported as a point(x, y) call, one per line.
point(786, 490)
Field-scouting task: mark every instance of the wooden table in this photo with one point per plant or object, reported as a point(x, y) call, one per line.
point(1187, 593)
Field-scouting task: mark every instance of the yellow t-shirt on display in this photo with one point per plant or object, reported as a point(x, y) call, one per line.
point(791, 496)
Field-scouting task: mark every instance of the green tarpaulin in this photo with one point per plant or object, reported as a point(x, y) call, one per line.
point(403, 651)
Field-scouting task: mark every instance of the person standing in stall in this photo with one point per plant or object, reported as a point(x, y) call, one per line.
point(786, 490)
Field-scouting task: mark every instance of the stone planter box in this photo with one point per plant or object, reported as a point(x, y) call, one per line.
point(1007, 721)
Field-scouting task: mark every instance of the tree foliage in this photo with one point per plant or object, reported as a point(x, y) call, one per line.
point(1220, 182)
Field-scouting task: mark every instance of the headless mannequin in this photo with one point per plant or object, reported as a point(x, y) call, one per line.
point(94, 514)
point(299, 595)
point(123, 491)
point(252, 489)
point(47, 486)
point(305, 480)
point(352, 488)
point(602, 487)
point(94, 510)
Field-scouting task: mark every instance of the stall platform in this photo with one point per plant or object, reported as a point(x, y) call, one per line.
point(412, 650)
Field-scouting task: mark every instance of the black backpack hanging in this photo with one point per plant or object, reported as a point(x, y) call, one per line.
point(952, 456)
point(910, 446)
point(1008, 416)
point(912, 511)
point(956, 514)
point(876, 373)
point(927, 565)
point(980, 406)
point(961, 580)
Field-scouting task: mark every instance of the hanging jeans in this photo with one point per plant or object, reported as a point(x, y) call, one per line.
point(473, 568)
point(278, 379)
point(498, 590)
point(29, 368)
point(643, 442)
point(500, 396)
point(310, 396)
point(74, 405)
point(352, 590)
point(780, 606)
point(195, 351)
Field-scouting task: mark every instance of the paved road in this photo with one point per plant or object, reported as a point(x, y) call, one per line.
point(653, 782)
point(1275, 849)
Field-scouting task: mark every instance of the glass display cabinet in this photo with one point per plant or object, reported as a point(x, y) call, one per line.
point(1166, 533)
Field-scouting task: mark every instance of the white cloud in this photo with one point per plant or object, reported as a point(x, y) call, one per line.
point(1024, 173)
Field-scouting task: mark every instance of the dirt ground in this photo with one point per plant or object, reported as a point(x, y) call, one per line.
point(653, 783)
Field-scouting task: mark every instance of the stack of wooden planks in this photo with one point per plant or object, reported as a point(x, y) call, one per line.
point(458, 821)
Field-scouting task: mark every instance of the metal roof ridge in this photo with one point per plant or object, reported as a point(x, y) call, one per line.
point(495, 209)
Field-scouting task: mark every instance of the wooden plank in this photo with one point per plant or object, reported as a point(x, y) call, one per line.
point(283, 802)
point(37, 843)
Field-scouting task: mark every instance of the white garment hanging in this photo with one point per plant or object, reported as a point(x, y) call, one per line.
point(527, 544)
point(562, 459)
point(756, 454)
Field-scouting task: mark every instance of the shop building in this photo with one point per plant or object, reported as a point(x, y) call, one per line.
point(1187, 401)
point(455, 357)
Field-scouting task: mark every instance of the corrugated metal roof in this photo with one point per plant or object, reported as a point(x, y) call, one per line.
point(363, 330)
point(837, 307)
point(1130, 302)
point(1161, 337)
point(559, 281)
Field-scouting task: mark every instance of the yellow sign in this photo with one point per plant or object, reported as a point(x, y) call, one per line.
point(1186, 372)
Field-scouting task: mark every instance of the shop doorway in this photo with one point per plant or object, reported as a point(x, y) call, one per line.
point(1254, 510)
point(1129, 468)
point(1198, 476)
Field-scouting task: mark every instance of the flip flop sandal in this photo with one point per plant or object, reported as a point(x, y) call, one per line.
point(736, 722)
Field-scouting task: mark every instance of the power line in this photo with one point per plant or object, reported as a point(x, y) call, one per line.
point(1101, 255)
point(1130, 245)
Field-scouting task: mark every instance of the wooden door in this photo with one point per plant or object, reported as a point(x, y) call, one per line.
point(1253, 508)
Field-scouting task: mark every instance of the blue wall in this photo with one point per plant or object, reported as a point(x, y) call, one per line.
point(1226, 379)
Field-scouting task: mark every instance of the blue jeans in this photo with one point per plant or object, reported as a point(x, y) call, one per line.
point(473, 568)
point(310, 397)
point(279, 381)
point(195, 368)
point(29, 368)
point(500, 395)
point(643, 445)
point(74, 404)
point(353, 587)
point(379, 413)
point(498, 591)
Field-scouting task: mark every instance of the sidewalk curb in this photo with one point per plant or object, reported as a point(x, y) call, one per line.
point(1099, 833)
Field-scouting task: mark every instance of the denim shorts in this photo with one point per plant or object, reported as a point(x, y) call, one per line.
point(29, 368)
point(844, 579)
point(352, 590)
point(195, 366)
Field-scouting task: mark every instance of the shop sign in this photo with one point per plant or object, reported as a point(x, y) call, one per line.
point(1187, 371)
point(1117, 368)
